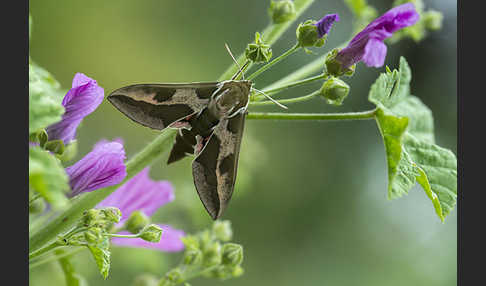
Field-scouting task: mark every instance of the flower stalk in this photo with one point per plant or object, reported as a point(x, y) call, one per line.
point(313, 116)
point(274, 61)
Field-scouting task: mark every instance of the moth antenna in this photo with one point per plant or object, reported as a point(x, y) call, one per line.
point(271, 99)
point(236, 62)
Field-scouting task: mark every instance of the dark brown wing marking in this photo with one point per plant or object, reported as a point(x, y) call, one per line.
point(159, 105)
point(214, 169)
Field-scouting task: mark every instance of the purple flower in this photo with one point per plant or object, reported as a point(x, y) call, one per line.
point(101, 167)
point(82, 99)
point(325, 24)
point(368, 46)
point(145, 195)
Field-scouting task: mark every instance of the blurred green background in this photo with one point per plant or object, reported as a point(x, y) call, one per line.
point(310, 206)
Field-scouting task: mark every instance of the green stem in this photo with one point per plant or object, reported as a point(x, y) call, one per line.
point(271, 34)
point(54, 257)
point(294, 84)
point(123, 235)
point(313, 116)
point(286, 101)
point(274, 61)
point(68, 217)
point(44, 250)
point(34, 197)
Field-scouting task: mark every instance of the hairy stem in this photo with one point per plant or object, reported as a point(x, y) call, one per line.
point(313, 116)
point(286, 101)
point(274, 61)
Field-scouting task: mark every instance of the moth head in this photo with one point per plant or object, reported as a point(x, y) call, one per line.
point(231, 97)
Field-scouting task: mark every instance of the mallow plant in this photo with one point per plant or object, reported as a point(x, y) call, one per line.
point(105, 200)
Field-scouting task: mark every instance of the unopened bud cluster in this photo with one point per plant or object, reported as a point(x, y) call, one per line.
point(282, 11)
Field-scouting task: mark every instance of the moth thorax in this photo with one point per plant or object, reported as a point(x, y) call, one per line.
point(229, 98)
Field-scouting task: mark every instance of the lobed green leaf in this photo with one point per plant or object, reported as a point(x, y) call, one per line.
point(406, 126)
point(101, 254)
point(45, 99)
point(47, 176)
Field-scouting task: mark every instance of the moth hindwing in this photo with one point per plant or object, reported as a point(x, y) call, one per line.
point(210, 118)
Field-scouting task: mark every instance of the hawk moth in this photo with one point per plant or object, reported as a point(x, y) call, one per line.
point(210, 117)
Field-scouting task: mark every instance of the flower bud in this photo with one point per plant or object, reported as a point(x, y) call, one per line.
point(151, 233)
point(37, 206)
point(282, 11)
point(136, 222)
point(90, 217)
point(94, 235)
point(55, 146)
point(335, 67)
point(232, 254)
point(112, 214)
point(222, 230)
point(432, 20)
point(174, 276)
point(334, 91)
point(308, 35)
point(192, 257)
point(212, 254)
point(237, 271)
point(258, 52)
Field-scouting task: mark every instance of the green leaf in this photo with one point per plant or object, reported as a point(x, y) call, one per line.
point(407, 128)
point(45, 99)
point(47, 176)
point(101, 254)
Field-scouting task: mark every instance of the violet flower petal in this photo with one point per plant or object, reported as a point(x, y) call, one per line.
point(374, 53)
point(324, 25)
point(100, 168)
point(169, 242)
point(365, 45)
point(82, 99)
point(140, 193)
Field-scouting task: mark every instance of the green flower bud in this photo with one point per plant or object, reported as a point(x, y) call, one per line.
point(151, 233)
point(192, 257)
point(282, 11)
point(237, 271)
point(55, 146)
point(146, 280)
point(232, 254)
point(335, 68)
point(258, 52)
point(37, 206)
point(136, 222)
point(94, 235)
point(222, 230)
point(190, 242)
point(212, 254)
point(308, 35)
point(432, 20)
point(334, 91)
point(221, 272)
point(174, 276)
point(112, 214)
point(90, 217)
point(70, 151)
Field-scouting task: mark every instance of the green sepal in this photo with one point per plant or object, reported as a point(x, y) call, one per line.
point(70, 151)
point(308, 36)
point(55, 146)
point(406, 126)
point(334, 91)
point(258, 51)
